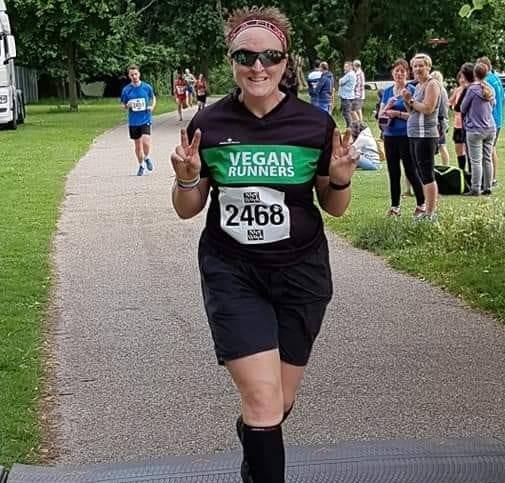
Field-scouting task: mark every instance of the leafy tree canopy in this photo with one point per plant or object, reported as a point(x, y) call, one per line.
point(89, 39)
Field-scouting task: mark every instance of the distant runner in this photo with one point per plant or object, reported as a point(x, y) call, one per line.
point(180, 87)
point(139, 100)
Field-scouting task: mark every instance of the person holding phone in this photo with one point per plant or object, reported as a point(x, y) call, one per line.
point(422, 129)
point(393, 115)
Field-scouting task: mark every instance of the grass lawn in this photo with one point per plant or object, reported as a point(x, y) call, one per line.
point(33, 163)
point(464, 252)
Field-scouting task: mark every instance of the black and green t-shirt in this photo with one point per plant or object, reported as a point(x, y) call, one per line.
point(262, 173)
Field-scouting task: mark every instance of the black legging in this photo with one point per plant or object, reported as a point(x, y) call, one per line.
point(423, 152)
point(397, 148)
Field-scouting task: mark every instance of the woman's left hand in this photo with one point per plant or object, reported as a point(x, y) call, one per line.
point(344, 158)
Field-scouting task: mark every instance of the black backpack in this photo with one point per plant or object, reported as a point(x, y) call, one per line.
point(452, 180)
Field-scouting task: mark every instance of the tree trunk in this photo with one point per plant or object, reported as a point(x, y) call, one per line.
point(358, 30)
point(72, 80)
point(204, 68)
point(61, 90)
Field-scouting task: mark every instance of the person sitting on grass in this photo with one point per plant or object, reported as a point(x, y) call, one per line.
point(364, 142)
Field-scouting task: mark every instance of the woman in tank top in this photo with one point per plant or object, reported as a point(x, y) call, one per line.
point(422, 128)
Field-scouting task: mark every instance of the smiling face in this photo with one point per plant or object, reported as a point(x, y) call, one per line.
point(257, 82)
point(420, 69)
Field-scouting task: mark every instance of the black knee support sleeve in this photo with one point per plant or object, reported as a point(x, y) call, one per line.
point(264, 450)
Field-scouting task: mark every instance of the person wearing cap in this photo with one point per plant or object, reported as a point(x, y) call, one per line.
point(263, 256)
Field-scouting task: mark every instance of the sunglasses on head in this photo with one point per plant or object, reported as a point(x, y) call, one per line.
point(267, 57)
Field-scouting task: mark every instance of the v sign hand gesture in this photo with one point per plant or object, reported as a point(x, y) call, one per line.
point(186, 158)
point(344, 158)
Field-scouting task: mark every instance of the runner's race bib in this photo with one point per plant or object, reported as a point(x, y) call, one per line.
point(254, 214)
point(180, 90)
point(138, 104)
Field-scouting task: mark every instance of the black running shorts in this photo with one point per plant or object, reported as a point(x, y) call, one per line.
point(253, 309)
point(136, 132)
point(458, 135)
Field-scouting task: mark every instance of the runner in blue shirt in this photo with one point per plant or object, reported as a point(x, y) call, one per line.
point(139, 100)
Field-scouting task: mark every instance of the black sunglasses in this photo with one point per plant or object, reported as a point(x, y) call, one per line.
point(267, 57)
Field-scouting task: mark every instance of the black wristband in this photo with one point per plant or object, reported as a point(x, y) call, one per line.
point(339, 187)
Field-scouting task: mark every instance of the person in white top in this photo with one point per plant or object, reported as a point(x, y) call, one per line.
point(312, 81)
point(365, 143)
point(190, 90)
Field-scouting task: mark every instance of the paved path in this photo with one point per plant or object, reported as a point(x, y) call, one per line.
point(136, 375)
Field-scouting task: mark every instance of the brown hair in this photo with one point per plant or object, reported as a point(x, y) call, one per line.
point(480, 71)
point(401, 63)
point(466, 71)
point(132, 67)
point(269, 14)
point(485, 60)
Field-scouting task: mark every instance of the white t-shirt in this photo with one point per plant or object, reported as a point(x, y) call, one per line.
point(190, 79)
point(365, 142)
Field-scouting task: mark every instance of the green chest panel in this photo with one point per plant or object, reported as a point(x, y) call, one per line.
point(261, 164)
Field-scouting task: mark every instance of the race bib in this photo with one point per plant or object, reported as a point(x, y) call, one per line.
point(254, 214)
point(137, 105)
point(180, 90)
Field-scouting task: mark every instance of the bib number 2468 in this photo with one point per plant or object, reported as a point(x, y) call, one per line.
point(254, 214)
point(260, 215)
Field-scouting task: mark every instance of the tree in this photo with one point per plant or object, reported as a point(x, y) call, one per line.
point(71, 39)
point(89, 39)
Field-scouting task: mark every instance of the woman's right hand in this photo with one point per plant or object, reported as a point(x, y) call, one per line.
point(186, 157)
point(407, 95)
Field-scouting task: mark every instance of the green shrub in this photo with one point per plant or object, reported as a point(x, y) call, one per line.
point(221, 79)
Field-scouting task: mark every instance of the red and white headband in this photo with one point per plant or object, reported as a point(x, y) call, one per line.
point(264, 24)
